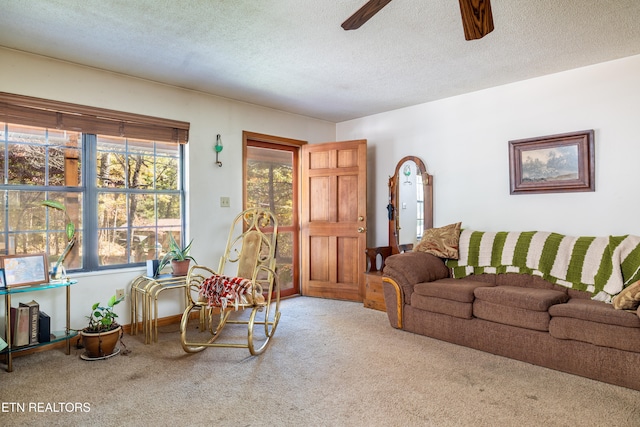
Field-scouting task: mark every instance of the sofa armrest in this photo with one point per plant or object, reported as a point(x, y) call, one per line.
point(410, 268)
point(403, 271)
point(393, 301)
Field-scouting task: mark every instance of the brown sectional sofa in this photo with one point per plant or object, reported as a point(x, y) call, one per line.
point(514, 315)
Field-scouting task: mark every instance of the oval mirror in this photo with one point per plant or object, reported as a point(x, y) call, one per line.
point(410, 207)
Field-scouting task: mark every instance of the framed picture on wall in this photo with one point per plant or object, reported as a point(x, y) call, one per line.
point(3, 281)
point(24, 269)
point(553, 164)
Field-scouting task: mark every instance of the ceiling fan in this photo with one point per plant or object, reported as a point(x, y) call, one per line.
point(476, 17)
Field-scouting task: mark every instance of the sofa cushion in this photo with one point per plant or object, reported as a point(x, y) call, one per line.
point(578, 294)
point(595, 311)
point(524, 298)
point(463, 310)
point(515, 279)
point(451, 289)
point(510, 315)
point(605, 335)
point(527, 281)
point(441, 242)
point(485, 278)
point(629, 298)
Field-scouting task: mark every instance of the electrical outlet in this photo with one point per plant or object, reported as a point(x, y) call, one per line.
point(119, 293)
point(225, 202)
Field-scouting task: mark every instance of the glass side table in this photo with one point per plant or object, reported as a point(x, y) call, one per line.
point(65, 335)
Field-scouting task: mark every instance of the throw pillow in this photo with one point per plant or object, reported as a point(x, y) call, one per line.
point(441, 242)
point(629, 298)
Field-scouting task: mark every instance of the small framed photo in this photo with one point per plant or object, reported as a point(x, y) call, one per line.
point(553, 164)
point(3, 281)
point(24, 269)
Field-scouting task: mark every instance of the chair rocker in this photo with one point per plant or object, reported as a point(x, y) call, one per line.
point(218, 299)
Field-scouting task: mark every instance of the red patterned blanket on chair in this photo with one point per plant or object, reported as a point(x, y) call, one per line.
point(220, 290)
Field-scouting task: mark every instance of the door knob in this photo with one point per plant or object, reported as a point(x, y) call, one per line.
point(360, 218)
point(361, 229)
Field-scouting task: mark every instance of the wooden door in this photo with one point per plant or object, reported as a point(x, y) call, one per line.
point(334, 219)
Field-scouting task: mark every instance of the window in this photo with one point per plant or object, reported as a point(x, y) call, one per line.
point(124, 193)
point(139, 199)
point(34, 162)
point(135, 185)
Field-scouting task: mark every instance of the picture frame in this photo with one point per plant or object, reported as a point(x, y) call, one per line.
point(24, 269)
point(553, 164)
point(3, 281)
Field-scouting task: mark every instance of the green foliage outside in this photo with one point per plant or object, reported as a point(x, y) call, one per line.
point(270, 185)
point(133, 226)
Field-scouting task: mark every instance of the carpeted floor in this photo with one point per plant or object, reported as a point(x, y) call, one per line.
point(331, 363)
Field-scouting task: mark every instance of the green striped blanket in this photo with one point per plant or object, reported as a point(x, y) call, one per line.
point(600, 265)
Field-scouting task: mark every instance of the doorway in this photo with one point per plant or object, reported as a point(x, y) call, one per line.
point(271, 180)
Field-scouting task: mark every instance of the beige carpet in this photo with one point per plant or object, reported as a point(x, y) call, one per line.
point(331, 363)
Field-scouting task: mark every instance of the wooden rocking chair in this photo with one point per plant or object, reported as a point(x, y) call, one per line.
point(253, 286)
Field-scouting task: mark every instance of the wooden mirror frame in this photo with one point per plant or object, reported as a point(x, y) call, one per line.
point(394, 226)
point(376, 256)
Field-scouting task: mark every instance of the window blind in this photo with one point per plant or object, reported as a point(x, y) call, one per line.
point(32, 111)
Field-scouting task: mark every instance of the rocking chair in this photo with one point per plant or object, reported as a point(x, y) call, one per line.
point(218, 298)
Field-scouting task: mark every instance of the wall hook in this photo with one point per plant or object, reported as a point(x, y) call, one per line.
point(218, 148)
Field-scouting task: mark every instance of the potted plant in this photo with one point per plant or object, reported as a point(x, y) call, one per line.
point(101, 335)
point(179, 257)
point(70, 231)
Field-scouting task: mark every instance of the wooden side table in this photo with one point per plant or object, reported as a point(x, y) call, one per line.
point(374, 296)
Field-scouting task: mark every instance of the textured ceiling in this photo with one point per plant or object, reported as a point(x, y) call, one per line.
point(293, 55)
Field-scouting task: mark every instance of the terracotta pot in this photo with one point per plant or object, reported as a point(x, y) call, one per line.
point(180, 268)
point(100, 344)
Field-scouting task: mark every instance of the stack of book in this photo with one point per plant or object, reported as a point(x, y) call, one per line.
point(25, 324)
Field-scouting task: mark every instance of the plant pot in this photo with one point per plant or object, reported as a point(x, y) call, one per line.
point(180, 268)
point(101, 344)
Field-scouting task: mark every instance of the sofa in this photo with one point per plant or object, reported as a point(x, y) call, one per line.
point(521, 311)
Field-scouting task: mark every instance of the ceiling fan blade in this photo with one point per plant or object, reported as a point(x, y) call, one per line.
point(363, 14)
point(477, 19)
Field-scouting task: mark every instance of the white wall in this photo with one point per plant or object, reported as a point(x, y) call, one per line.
point(464, 144)
point(207, 222)
point(462, 140)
